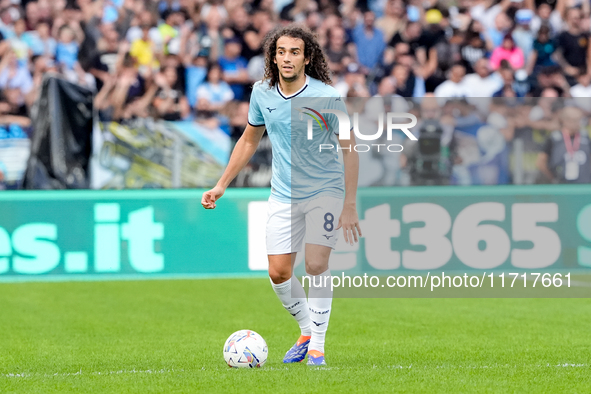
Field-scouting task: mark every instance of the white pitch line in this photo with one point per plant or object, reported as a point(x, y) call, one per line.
point(411, 366)
point(565, 365)
point(79, 373)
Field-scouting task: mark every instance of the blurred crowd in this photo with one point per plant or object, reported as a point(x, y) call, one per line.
point(196, 60)
point(479, 141)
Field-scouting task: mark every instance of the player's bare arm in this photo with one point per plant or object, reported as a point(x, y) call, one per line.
point(241, 155)
point(349, 219)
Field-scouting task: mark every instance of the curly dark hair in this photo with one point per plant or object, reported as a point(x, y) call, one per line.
point(317, 68)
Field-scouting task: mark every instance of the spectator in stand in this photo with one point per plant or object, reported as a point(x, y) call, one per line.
point(102, 101)
point(170, 103)
point(551, 76)
point(14, 116)
point(195, 74)
point(566, 157)
point(107, 56)
point(235, 68)
point(40, 40)
point(523, 34)
point(336, 51)
point(297, 10)
point(574, 51)
point(237, 112)
point(472, 50)
point(454, 86)
point(493, 166)
point(170, 29)
point(67, 47)
point(384, 67)
point(508, 89)
point(32, 14)
point(207, 35)
point(581, 92)
point(393, 20)
point(78, 76)
point(409, 35)
point(263, 23)
point(18, 44)
point(145, 18)
point(507, 51)
point(145, 50)
point(128, 87)
point(496, 34)
point(442, 56)
point(14, 75)
point(352, 79)
point(543, 117)
point(240, 26)
point(548, 17)
point(583, 87)
point(460, 15)
point(408, 84)
point(41, 66)
point(435, 51)
point(487, 83)
point(543, 49)
point(369, 41)
point(7, 17)
point(165, 6)
point(214, 94)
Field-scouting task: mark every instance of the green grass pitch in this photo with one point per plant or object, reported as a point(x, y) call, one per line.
point(167, 336)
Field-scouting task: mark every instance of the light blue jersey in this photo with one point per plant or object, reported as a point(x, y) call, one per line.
point(301, 171)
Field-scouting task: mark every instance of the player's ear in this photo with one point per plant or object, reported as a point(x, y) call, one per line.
point(307, 61)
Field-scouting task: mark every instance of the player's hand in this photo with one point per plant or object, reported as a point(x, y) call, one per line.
point(211, 196)
point(349, 221)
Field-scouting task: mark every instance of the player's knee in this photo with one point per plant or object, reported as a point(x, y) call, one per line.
point(315, 267)
point(278, 275)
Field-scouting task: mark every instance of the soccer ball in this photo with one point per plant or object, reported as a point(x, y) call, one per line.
point(245, 349)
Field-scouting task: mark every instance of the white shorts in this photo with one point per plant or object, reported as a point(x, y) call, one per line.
point(315, 221)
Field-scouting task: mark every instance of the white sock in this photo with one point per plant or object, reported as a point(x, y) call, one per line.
point(319, 302)
point(292, 296)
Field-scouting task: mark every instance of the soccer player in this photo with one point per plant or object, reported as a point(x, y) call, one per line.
point(306, 210)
